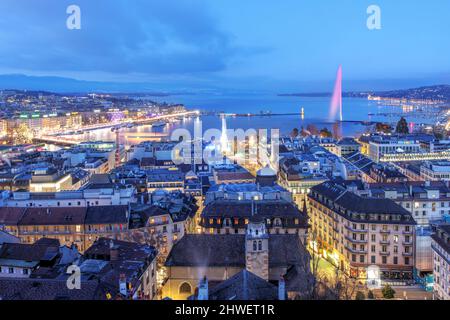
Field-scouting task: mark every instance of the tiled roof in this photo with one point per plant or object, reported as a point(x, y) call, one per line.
point(29, 252)
point(11, 216)
point(48, 289)
point(244, 286)
point(267, 209)
point(201, 250)
point(53, 216)
point(106, 214)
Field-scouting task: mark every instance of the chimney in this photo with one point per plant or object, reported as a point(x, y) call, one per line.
point(281, 289)
point(123, 285)
point(113, 251)
point(203, 289)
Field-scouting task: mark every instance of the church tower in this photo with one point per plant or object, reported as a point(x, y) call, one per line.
point(257, 248)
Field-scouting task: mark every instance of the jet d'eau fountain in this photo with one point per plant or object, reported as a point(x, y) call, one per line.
point(336, 99)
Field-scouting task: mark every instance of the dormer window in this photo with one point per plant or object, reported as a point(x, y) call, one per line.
point(278, 222)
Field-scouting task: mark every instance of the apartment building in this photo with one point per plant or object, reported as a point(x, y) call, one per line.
point(93, 195)
point(441, 262)
point(357, 232)
point(298, 174)
point(70, 225)
point(435, 171)
point(229, 207)
point(166, 219)
point(426, 201)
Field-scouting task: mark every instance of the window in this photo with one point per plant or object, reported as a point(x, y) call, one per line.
point(254, 245)
point(10, 270)
point(374, 237)
point(361, 259)
point(260, 245)
point(25, 271)
point(185, 288)
point(406, 261)
point(395, 260)
point(372, 259)
point(384, 259)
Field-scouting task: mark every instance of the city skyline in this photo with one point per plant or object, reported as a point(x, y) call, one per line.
point(200, 150)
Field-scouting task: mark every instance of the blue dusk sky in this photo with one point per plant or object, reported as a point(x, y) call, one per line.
point(229, 45)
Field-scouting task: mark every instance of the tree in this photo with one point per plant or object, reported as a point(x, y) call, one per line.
point(402, 126)
point(383, 127)
point(388, 292)
point(360, 296)
point(303, 132)
point(312, 129)
point(294, 133)
point(344, 286)
point(21, 134)
point(325, 133)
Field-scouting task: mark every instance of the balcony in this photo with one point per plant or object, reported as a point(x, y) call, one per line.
point(356, 230)
point(407, 243)
point(407, 254)
point(356, 250)
point(355, 241)
point(385, 242)
point(407, 232)
point(385, 253)
point(385, 231)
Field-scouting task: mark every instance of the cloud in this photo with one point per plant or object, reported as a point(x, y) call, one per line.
point(121, 36)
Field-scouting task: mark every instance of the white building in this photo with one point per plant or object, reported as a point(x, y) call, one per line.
point(435, 171)
point(95, 195)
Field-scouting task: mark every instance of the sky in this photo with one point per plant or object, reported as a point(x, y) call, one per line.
point(230, 45)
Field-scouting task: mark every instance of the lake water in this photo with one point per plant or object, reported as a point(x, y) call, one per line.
point(316, 111)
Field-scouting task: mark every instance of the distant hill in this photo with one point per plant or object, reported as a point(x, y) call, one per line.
point(437, 92)
point(69, 85)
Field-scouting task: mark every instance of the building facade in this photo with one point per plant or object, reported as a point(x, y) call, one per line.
point(358, 232)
